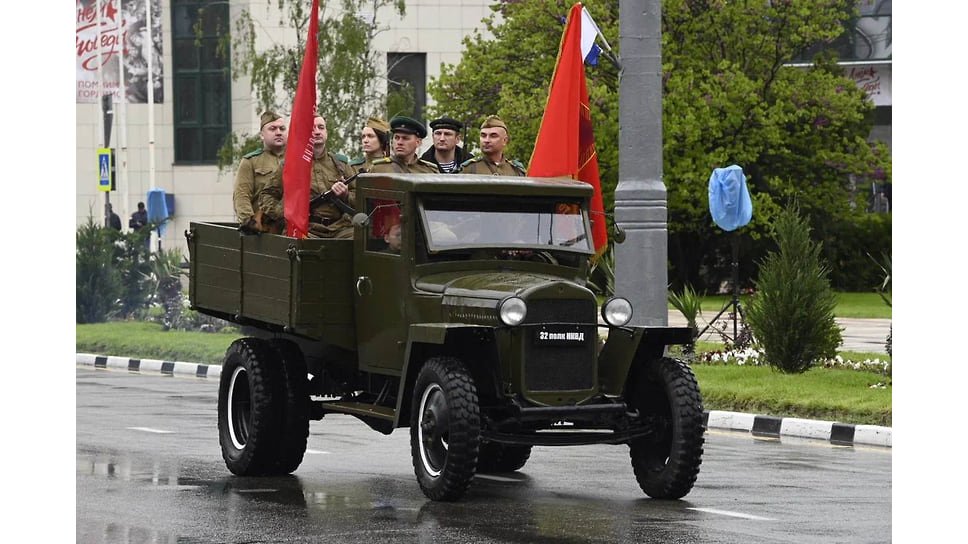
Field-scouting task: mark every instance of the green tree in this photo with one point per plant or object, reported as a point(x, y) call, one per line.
point(792, 312)
point(348, 78)
point(728, 98)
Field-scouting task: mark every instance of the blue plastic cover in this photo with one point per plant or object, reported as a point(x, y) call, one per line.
point(157, 209)
point(729, 199)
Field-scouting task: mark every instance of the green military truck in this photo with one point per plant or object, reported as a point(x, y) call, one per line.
point(461, 310)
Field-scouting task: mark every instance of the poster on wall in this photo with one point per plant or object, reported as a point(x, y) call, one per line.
point(131, 16)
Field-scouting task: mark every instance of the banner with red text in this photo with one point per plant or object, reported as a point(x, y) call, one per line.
point(131, 15)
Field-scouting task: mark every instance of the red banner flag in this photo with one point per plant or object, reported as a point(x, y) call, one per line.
point(565, 145)
point(298, 170)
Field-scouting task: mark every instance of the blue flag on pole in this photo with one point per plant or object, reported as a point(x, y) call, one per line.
point(729, 199)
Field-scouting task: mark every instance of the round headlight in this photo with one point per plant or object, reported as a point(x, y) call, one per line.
point(512, 311)
point(617, 311)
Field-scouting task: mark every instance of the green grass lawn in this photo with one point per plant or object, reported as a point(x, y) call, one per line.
point(859, 305)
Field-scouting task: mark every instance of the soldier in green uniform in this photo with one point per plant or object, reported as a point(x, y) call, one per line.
point(376, 144)
point(255, 168)
point(407, 137)
point(494, 138)
point(329, 171)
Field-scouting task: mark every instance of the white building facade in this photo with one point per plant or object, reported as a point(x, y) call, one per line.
point(171, 147)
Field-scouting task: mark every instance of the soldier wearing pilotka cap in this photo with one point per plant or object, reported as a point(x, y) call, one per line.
point(375, 138)
point(257, 167)
point(494, 138)
point(408, 134)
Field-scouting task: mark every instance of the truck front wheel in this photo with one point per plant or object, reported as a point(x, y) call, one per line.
point(666, 464)
point(445, 429)
point(251, 407)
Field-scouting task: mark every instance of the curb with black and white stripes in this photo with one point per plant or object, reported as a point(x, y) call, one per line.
point(841, 434)
point(168, 368)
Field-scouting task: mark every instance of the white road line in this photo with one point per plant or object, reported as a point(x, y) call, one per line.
point(150, 430)
point(732, 514)
point(317, 452)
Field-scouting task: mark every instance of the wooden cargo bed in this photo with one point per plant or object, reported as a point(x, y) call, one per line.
point(300, 286)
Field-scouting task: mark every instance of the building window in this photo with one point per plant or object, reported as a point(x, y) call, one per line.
point(407, 90)
point(200, 79)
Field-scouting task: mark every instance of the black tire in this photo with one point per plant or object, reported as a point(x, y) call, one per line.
point(445, 429)
point(296, 428)
point(251, 407)
point(666, 466)
point(497, 457)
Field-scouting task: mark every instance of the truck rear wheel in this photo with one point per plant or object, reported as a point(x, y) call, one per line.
point(251, 407)
point(445, 429)
point(497, 457)
point(666, 465)
point(296, 429)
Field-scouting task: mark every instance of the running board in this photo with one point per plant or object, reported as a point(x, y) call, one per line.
point(358, 409)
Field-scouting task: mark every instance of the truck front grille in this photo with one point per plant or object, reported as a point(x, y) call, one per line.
point(568, 365)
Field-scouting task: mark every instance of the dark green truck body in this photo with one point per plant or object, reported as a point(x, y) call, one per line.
point(367, 321)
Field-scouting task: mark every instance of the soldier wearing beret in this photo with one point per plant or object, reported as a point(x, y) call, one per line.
point(494, 138)
point(446, 153)
point(376, 143)
point(255, 168)
point(329, 171)
point(408, 134)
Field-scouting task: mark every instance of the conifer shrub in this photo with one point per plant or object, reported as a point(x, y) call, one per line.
point(792, 314)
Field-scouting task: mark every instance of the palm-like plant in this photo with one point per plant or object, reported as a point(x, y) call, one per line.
point(689, 304)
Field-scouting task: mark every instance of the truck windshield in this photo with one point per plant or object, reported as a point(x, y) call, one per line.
point(507, 222)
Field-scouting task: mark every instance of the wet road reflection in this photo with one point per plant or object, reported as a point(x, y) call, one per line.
point(149, 470)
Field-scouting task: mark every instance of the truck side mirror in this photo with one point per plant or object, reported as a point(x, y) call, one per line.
point(361, 220)
point(618, 234)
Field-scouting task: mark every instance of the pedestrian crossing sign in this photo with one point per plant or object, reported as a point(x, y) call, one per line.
point(105, 170)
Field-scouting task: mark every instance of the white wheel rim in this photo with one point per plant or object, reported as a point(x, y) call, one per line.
point(238, 373)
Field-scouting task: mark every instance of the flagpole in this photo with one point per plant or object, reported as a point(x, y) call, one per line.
point(151, 114)
point(122, 167)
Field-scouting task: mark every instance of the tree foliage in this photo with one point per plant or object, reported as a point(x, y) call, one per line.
point(348, 77)
point(728, 98)
point(792, 311)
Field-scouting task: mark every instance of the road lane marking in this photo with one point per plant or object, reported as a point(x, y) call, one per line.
point(732, 514)
point(317, 452)
point(150, 430)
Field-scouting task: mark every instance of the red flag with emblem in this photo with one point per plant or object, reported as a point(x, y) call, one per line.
point(565, 145)
point(298, 170)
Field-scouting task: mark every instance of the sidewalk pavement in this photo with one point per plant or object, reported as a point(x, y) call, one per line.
point(861, 335)
point(841, 434)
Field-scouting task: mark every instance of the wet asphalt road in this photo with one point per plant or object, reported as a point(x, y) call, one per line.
point(149, 470)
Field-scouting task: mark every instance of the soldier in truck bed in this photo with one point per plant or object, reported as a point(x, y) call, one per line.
point(407, 136)
point(256, 167)
point(329, 171)
point(494, 137)
point(376, 143)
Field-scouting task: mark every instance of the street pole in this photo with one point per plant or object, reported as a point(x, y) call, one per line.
point(151, 114)
point(641, 273)
point(105, 126)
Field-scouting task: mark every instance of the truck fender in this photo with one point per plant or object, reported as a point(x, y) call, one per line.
point(626, 346)
point(423, 341)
